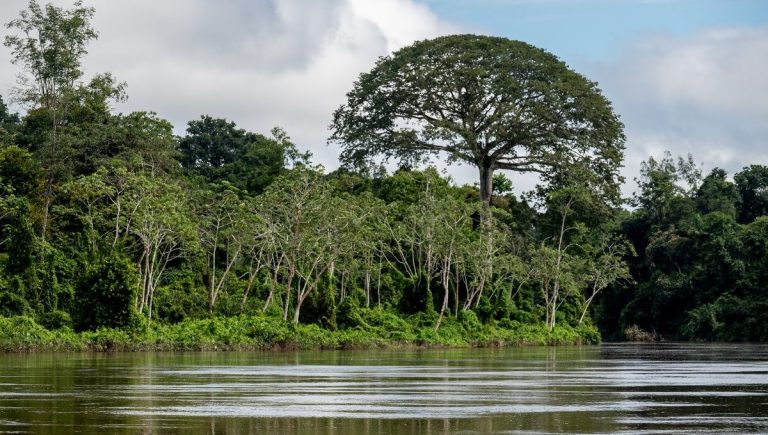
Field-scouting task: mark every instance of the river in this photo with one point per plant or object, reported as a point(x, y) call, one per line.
point(613, 388)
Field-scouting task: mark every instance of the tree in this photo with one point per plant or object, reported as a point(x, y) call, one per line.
point(218, 150)
point(752, 183)
point(223, 233)
point(662, 183)
point(717, 194)
point(554, 266)
point(367, 215)
point(49, 46)
point(163, 231)
point(310, 230)
point(415, 237)
point(486, 101)
point(18, 178)
point(9, 123)
point(605, 266)
point(211, 143)
point(107, 294)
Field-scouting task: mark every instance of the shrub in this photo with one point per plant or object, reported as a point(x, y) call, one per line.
point(12, 304)
point(56, 319)
point(106, 294)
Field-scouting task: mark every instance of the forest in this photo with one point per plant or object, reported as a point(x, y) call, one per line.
point(116, 232)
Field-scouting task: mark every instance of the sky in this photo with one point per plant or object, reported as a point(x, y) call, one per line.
point(688, 76)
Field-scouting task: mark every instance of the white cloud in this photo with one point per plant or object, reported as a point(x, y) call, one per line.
point(260, 63)
point(704, 94)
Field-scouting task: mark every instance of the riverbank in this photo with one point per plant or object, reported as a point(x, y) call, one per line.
point(23, 334)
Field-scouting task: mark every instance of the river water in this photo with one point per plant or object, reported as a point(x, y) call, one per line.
point(614, 388)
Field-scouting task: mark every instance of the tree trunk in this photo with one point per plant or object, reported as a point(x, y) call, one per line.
point(287, 301)
point(297, 310)
point(445, 274)
point(486, 187)
point(486, 184)
point(367, 286)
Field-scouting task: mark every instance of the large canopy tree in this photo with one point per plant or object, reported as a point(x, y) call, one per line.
point(490, 102)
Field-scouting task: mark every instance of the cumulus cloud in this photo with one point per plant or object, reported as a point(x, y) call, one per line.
point(260, 63)
point(704, 94)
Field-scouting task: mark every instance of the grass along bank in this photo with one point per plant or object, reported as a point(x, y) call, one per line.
point(375, 328)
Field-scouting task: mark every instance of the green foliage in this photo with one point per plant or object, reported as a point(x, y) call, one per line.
point(219, 151)
point(266, 332)
point(699, 274)
point(405, 108)
point(183, 297)
point(716, 194)
point(17, 237)
point(18, 171)
point(49, 45)
point(12, 304)
point(752, 184)
point(107, 294)
point(56, 319)
point(22, 333)
point(229, 239)
point(9, 123)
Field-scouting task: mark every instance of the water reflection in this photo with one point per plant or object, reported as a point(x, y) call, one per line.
point(612, 388)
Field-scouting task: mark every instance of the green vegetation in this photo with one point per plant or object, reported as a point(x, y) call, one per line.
point(489, 102)
point(702, 256)
point(261, 332)
point(115, 234)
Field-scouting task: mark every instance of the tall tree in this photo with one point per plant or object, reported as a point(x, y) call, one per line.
point(310, 229)
point(663, 183)
point(49, 45)
point(717, 194)
point(486, 101)
point(223, 233)
point(752, 183)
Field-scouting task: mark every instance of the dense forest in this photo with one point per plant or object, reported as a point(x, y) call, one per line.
point(109, 220)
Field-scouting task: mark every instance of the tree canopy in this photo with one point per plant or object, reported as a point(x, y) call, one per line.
point(109, 220)
point(487, 101)
point(220, 151)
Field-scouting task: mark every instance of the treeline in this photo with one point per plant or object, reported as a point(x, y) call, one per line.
point(701, 269)
point(129, 224)
point(109, 220)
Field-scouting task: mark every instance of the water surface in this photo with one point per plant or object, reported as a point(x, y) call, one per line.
point(611, 388)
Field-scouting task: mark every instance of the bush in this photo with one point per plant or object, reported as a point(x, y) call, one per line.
point(589, 333)
point(22, 333)
point(56, 319)
point(469, 321)
point(12, 304)
point(268, 332)
point(182, 298)
point(348, 314)
point(106, 295)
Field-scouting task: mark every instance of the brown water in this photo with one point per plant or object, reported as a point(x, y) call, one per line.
point(610, 388)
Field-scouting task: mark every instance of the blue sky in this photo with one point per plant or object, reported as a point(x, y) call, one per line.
point(581, 31)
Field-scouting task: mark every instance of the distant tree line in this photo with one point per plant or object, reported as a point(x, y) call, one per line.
point(702, 255)
point(110, 220)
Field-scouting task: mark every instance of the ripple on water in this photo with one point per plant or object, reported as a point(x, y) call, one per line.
point(619, 389)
